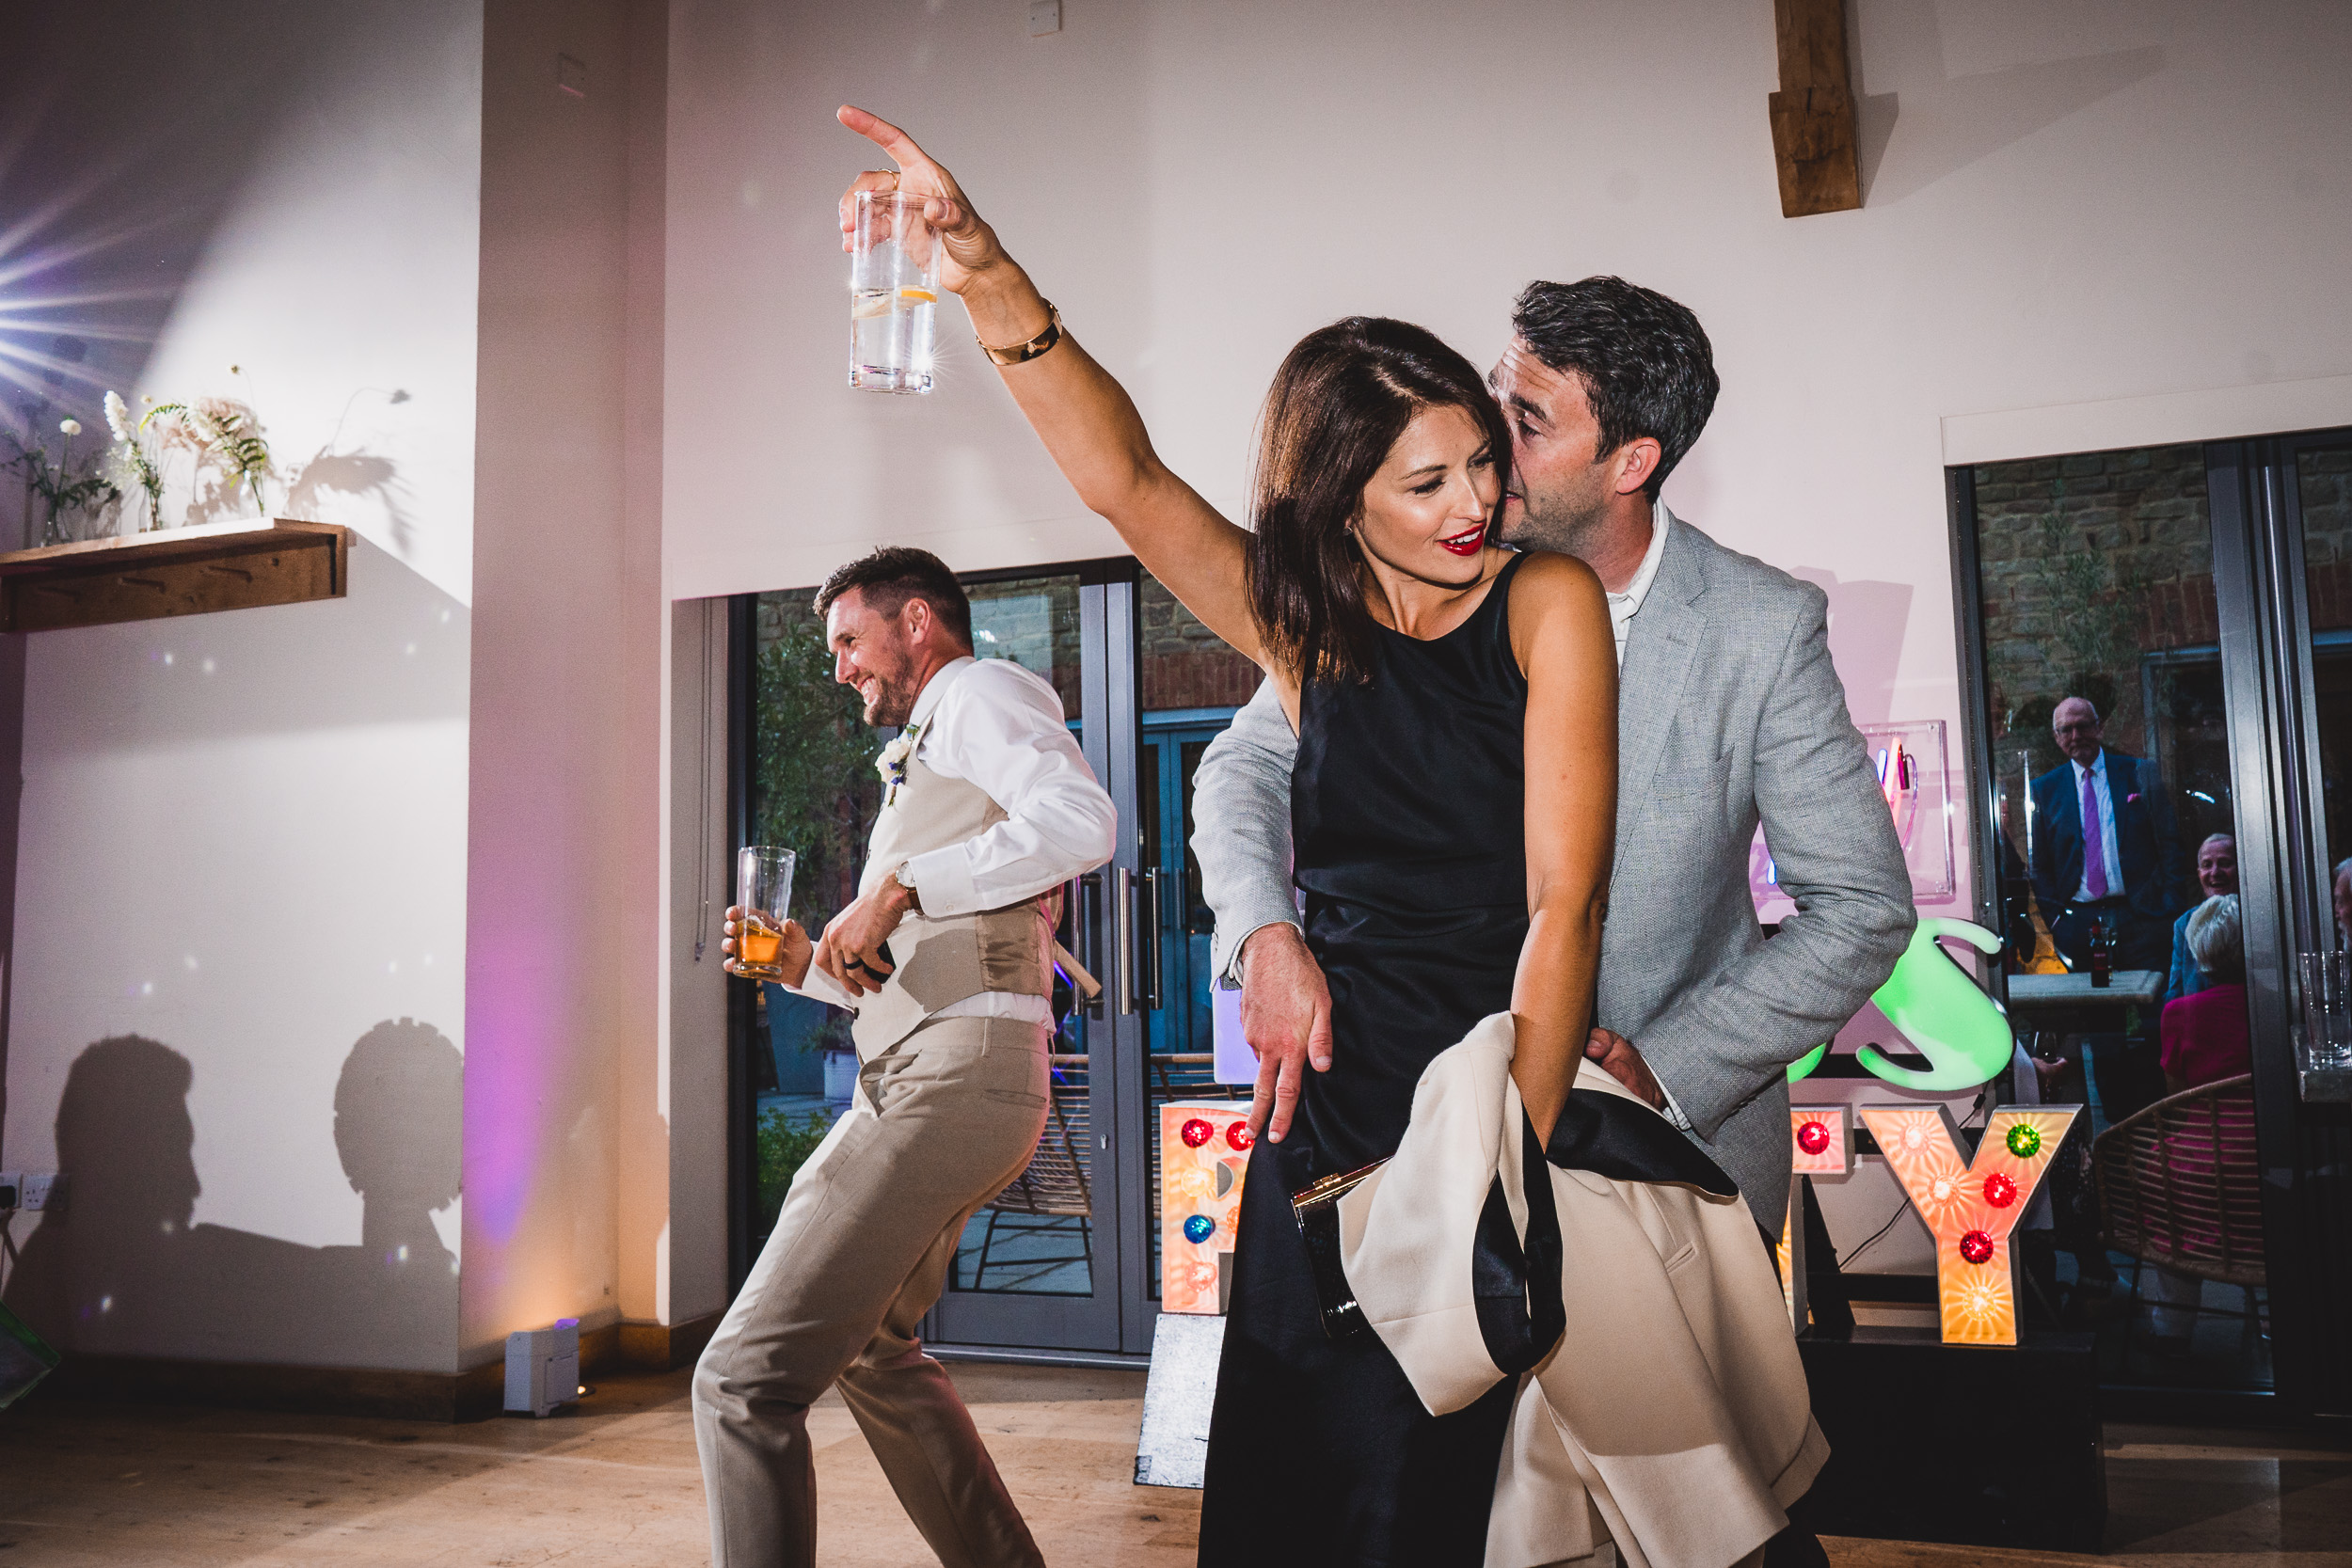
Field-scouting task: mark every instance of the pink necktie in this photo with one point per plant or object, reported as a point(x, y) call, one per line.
point(2094, 844)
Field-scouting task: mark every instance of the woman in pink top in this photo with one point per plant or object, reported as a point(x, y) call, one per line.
point(2204, 1036)
point(2204, 1039)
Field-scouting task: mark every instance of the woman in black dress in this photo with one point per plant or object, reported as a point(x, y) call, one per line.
point(1453, 808)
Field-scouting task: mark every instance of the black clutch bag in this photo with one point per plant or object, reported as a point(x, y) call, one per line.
point(1316, 1208)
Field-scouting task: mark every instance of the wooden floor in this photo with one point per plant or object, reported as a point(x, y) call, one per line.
point(613, 1484)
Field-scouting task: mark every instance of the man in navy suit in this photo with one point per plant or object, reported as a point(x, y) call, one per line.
point(2105, 850)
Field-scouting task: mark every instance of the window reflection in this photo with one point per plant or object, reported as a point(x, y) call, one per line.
point(2111, 790)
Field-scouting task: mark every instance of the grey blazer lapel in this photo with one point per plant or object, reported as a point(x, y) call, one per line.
point(1659, 648)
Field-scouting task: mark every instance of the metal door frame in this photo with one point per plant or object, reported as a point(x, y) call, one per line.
point(2269, 690)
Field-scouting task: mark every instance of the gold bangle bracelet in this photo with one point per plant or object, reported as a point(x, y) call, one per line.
point(1021, 354)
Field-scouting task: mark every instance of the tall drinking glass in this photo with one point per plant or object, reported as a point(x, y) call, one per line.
point(894, 289)
point(763, 890)
point(2327, 1007)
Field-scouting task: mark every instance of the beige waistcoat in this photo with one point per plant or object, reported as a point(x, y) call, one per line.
point(940, 961)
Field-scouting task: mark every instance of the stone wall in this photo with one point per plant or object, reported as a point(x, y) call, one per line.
point(2323, 480)
point(2085, 563)
point(1185, 665)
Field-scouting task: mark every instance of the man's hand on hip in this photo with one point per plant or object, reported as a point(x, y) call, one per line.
point(1618, 1059)
point(1286, 1017)
point(852, 948)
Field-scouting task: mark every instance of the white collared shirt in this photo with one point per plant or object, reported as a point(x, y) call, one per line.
point(2098, 772)
point(1000, 726)
point(1624, 607)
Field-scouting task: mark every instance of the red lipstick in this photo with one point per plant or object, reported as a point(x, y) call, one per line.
point(1465, 544)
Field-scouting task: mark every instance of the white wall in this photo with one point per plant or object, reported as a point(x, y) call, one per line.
point(244, 835)
point(2086, 200)
point(436, 805)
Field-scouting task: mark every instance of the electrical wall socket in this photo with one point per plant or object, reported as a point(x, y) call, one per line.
point(38, 1190)
point(1044, 17)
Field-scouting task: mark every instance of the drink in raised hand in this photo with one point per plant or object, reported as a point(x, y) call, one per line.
point(890, 340)
point(894, 290)
point(763, 891)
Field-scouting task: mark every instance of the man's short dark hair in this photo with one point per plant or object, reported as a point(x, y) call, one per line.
point(1643, 360)
point(887, 578)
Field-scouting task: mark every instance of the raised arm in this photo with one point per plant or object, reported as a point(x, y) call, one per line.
point(1560, 631)
point(1085, 417)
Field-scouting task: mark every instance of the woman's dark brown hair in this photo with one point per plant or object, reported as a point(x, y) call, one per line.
point(1341, 400)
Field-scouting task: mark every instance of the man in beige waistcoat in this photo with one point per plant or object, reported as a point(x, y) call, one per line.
point(947, 960)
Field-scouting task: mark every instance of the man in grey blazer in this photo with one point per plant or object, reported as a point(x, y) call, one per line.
point(1729, 713)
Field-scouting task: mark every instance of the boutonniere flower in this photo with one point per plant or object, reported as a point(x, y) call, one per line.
point(892, 763)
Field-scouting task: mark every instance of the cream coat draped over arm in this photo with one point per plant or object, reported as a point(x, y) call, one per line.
point(1672, 1417)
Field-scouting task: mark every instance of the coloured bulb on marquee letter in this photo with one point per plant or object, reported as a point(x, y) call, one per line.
point(1820, 1144)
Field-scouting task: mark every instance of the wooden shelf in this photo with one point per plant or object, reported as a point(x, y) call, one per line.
point(180, 571)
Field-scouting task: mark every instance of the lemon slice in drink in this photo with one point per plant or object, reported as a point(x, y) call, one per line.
point(911, 295)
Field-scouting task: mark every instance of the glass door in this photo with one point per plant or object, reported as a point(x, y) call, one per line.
point(2290, 498)
point(1064, 1260)
point(2189, 609)
point(1192, 682)
point(2095, 583)
point(1038, 1266)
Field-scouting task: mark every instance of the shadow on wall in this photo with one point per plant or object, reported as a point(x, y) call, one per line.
point(123, 1269)
point(1929, 122)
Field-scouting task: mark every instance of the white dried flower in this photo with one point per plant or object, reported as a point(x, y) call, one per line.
point(118, 416)
point(71, 427)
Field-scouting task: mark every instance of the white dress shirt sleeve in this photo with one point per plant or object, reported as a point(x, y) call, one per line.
point(817, 986)
point(1000, 728)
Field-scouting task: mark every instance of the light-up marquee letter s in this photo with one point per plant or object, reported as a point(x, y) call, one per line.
point(1970, 1208)
point(1962, 1032)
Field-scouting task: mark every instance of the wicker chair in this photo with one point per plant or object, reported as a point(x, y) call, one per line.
point(2179, 1187)
point(1058, 1182)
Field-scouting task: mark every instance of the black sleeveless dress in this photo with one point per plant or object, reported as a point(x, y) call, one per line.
point(1406, 812)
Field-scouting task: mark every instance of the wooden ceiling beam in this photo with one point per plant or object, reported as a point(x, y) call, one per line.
point(1813, 113)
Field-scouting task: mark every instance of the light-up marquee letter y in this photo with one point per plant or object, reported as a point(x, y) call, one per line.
point(1970, 1208)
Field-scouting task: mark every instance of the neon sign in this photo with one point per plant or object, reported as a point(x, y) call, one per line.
point(1964, 1033)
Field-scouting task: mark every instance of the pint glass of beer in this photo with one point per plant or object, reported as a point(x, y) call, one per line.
point(763, 890)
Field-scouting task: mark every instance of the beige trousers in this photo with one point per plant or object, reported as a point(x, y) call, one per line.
point(860, 1252)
